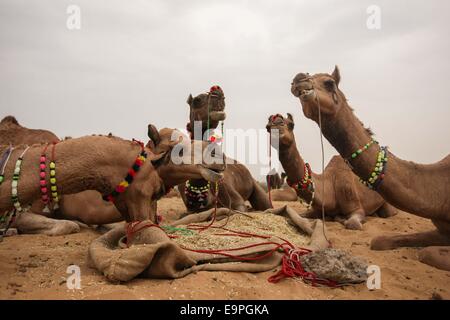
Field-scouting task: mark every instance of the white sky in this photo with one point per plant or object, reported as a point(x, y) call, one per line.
point(135, 62)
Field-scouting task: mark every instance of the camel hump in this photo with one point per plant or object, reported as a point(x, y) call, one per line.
point(9, 120)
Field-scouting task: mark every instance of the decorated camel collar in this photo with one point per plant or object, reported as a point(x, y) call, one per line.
point(121, 188)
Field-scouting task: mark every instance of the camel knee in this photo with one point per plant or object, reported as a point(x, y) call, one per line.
point(387, 211)
point(438, 257)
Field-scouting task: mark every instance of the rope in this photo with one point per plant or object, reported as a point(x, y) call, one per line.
point(323, 169)
point(269, 180)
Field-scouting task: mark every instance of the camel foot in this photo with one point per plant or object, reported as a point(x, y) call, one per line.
point(438, 257)
point(30, 223)
point(353, 223)
point(382, 243)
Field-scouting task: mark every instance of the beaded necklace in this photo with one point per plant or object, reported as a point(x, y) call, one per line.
point(15, 182)
point(306, 183)
point(362, 149)
point(53, 186)
point(4, 162)
point(197, 196)
point(377, 174)
point(123, 186)
point(42, 182)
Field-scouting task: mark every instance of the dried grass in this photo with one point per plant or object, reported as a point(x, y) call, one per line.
point(264, 224)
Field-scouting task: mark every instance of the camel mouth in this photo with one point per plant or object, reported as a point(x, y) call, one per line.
point(306, 93)
point(217, 115)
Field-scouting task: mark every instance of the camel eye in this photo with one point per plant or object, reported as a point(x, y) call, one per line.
point(197, 102)
point(329, 85)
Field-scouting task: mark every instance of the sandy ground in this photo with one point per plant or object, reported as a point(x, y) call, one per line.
point(34, 267)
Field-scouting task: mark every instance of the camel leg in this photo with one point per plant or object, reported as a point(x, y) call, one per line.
point(422, 239)
point(311, 214)
point(387, 211)
point(31, 223)
point(231, 198)
point(259, 198)
point(438, 257)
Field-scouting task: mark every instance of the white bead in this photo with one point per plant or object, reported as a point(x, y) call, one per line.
point(16, 170)
point(17, 205)
point(14, 192)
point(14, 184)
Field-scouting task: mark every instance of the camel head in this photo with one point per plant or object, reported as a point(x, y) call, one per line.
point(285, 127)
point(179, 158)
point(319, 89)
point(214, 101)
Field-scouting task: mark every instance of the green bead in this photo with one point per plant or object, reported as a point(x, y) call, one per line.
point(2, 178)
point(359, 151)
point(354, 155)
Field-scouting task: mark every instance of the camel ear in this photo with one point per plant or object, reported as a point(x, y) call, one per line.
point(153, 134)
point(291, 123)
point(336, 75)
point(190, 99)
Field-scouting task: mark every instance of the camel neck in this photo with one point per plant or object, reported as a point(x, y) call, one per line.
point(347, 134)
point(408, 186)
point(294, 166)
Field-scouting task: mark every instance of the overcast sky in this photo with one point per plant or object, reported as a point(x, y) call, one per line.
point(135, 62)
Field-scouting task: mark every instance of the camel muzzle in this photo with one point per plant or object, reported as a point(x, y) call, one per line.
point(217, 115)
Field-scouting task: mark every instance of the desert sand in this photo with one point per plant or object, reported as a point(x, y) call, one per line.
point(34, 267)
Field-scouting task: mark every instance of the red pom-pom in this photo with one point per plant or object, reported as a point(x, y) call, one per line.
point(120, 189)
point(131, 172)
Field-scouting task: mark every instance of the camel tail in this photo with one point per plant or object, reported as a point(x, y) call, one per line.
point(259, 198)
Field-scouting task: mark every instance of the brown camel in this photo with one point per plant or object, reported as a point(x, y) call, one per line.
point(238, 185)
point(279, 191)
point(420, 189)
point(345, 198)
point(87, 206)
point(101, 163)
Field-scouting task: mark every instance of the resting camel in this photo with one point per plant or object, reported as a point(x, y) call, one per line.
point(238, 185)
point(278, 190)
point(87, 206)
point(345, 198)
point(420, 189)
point(100, 163)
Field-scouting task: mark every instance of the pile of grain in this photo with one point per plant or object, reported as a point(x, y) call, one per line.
point(264, 224)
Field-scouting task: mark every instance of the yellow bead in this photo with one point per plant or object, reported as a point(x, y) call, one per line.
point(52, 165)
point(53, 180)
point(52, 173)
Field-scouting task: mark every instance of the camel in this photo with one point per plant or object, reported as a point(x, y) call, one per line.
point(238, 185)
point(100, 163)
point(87, 206)
point(345, 198)
point(279, 191)
point(419, 189)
